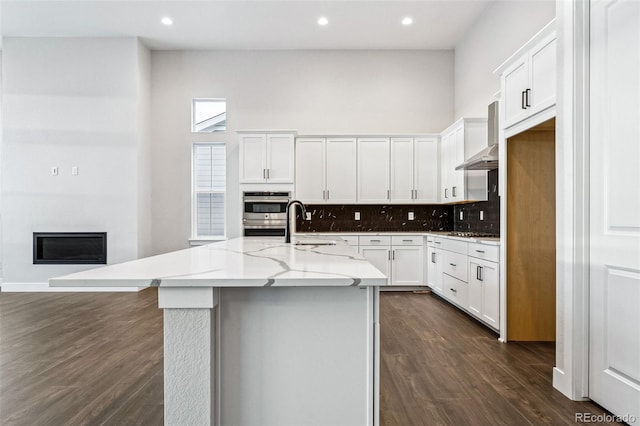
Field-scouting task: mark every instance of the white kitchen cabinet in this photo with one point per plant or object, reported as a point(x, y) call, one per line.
point(400, 257)
point(484, 292)
point(266, 157)
point(326, 170)
point(528, 78)
point(434, 264)
point(414, 170)
point(459, 141)
point(373, 170)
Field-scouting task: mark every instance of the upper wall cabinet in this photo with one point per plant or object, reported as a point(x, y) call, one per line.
point(414, 170)
point(458, 142)
point(528, 78)
point(373, 170)
point(266, 157)
point(326, 170)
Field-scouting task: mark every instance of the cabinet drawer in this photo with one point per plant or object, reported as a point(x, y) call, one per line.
point(484, 251)
point(455, 245)
point(456, 291)
point(409, 240)
point(455, 264)
point(352, 240)
point(430, 240)
point(366, 240)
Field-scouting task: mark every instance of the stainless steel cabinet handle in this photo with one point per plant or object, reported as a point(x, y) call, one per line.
point(522, 100)
point(433, 258)
point(393, 255)
point(264, 173)
point(453, 191)
point(445, 193)
point(268, 173)
point(479, 273)
point(453, 290)
point(479, 251)
point(527, 96)
point(375, 241)
point(438, 242)
point(407, 241)
point(388, 194)
point(328, 196)
point(389, 254)
point(453, 264)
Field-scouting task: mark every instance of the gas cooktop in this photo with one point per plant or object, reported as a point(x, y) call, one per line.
point(469, 234)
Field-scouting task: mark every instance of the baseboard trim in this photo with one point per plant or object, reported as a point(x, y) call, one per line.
point(44, 288)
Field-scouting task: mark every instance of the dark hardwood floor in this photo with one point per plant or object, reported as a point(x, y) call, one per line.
point(96, 358)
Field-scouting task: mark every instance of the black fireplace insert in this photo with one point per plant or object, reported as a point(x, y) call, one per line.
point(69, 248)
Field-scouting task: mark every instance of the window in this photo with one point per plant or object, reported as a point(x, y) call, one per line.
point(208, 115)
point(209, 188)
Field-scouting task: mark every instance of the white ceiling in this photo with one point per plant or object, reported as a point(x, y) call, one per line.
point(242, 24)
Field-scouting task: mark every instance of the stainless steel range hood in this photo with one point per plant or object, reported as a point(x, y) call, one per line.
point(487, 159)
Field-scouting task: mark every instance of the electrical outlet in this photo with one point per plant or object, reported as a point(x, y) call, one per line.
point(54, 171)
point(356, 216)
point(461, 215)
point(411, 216)
point(74, 170)
point(481, 215)
point(307, 216)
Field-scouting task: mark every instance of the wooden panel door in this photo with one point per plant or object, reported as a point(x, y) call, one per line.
point(515, 81)
point(310, 170)
point(402, 170)
point(341, 170)
point(426, 171)
point(280, 158)
point(614, 243)
point(373, 170)
point(253, 155)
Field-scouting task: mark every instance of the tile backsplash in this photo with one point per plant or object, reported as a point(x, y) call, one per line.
point(377, 218)
point(395, 218)
point(471, 212)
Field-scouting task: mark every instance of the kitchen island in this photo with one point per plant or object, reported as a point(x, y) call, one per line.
point(257, 331)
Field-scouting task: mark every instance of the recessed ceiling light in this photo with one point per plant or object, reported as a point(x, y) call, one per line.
point(407, 21)
point(323, 21)
point(167, 21)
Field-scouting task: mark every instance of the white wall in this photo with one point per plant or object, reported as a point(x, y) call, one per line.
point(68, 102)
point(502, 29)
point(312, 91)
point(143, 117)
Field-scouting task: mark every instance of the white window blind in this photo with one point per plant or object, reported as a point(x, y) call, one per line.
point(209, 180)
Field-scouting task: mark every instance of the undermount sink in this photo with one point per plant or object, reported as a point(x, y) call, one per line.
point(309, 242)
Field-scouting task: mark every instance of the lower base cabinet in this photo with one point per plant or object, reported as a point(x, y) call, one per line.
point(484, 292)
point(457, 291)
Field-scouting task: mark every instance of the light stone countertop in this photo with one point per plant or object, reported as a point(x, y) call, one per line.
point(240, 262)
point(444, 234)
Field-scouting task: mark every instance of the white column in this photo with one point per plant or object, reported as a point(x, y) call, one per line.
point(189, 354)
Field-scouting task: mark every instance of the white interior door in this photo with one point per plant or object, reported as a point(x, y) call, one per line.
point(614, 336)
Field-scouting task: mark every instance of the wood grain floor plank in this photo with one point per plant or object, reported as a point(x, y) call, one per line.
point(97, 359)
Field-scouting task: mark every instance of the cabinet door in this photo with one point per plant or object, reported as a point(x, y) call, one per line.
point(542, 71)
point(434, 269)
point(515, 82)
point(253, 154)
point(373, 170)
point(310, 170)
point(341, 170)
point(458, 184)
point(490, 277)
point(407, 265)
point(402, 170)
point(445, 173)
point(280, 158)
point(426, 171)
point(379, 257)
point(475, 288)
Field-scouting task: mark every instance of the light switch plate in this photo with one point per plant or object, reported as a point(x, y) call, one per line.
point(307, 216)
point(481, 215)
point(356, 216)
point(54, 171)
point(461, 215)
point(74, 170)
point(411, 216)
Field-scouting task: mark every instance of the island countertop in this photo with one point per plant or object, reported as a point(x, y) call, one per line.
point(240, 262)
